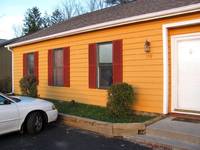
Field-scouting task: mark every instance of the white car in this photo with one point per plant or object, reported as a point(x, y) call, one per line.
point(19, 113)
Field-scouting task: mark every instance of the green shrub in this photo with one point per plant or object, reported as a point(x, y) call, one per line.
point(120, 99)
point(28, 85)
point(5, 85)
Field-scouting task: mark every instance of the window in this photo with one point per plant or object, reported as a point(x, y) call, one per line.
point(2, 100)
point(105, 62)
point(30, 64)
point(104, 65)
point(58, 79)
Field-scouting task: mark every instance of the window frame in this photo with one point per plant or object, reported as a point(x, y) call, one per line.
point(102, 65)
point(53, 68)
point(27, 66)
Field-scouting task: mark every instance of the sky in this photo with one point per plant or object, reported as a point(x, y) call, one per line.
point(12, 13)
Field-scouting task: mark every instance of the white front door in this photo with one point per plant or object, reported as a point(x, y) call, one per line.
point(9, 117)
point(186, 73)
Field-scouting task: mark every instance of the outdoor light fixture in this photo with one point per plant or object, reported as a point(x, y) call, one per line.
point(147, 46)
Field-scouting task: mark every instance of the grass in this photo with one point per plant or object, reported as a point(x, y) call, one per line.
point(95, 112)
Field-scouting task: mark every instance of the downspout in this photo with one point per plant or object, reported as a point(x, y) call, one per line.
point(8, 48)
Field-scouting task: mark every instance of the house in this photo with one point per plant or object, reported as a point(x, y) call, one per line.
point(5, 67)
point(151, 44)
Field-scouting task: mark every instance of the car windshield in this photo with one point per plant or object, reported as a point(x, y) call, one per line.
point(15, 99)
point(10, 97)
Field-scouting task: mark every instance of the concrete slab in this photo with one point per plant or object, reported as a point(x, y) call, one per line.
point(159, 143)
point(170, 134)
point(168, 124)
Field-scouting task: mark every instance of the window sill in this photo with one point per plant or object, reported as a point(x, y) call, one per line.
point(103, 88)
point(58, 86)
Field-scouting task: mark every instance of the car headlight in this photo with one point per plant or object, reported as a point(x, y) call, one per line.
point(53, 107)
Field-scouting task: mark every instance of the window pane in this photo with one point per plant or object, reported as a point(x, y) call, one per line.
point(58, 76)
point(105, 76)
point(58, 68)
point(2, 99)
point(105, 53)
point(30, 63)
point(58, 57)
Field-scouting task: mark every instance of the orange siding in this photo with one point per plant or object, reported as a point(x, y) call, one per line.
point(143, 71)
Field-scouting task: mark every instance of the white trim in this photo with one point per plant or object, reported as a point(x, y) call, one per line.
point(186, 36)
point(165, 70)
point(174, 55)
point(174, 71)
point(119, 22)
point(188, 113)
point(165, 28)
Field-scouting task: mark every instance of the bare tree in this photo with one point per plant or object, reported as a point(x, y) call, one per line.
point(17, 30)
point(102, 4)
point(96, 5)
point(79, 9)
point(71, 8)
point(91, 5)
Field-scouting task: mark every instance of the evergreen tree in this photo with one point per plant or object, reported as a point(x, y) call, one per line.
point(57, 16)
point(33, 21)
point(114, 2)
point(46, 20)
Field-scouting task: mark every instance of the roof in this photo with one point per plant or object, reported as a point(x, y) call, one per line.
point(2, 40)
point(135, 8)
point(6, 42)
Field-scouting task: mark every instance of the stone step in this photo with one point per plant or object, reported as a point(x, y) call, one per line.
point(173, 134)
point(177, 130)
point(160, 143)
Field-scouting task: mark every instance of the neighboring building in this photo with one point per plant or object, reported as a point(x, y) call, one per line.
point(5, 61)
point(151, 44)
point(5, 67)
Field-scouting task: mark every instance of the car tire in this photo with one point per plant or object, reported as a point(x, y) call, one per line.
point(35, 123)
point(22, 130)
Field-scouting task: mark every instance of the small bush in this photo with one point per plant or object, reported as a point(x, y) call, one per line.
point(120, 100)
point(28, 85)
point(6, 85)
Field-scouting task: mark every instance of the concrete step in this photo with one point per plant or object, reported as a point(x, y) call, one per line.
point(171, 134)
point(158, 143)
point(177, 130)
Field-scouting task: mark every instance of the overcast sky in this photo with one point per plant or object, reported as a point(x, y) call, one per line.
point(12, 13)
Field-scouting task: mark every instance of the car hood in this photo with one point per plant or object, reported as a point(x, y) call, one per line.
point(31, 101)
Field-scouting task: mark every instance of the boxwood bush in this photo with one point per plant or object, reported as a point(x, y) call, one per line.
point(28, 85)
point(120, 99)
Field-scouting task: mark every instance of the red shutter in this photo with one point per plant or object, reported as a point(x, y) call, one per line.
point(92, 65)
point(50, 67)
point(36, 65)
point(24, 65)
point(117, 61)
point(66, 68)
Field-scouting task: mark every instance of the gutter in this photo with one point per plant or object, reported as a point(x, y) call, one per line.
point(124, 21)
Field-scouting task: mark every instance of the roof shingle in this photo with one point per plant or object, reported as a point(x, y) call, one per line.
point(135, 8)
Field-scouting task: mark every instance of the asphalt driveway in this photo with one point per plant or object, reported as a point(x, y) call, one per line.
point(60, 137)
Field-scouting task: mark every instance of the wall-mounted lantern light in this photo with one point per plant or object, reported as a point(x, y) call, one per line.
point(147, 46)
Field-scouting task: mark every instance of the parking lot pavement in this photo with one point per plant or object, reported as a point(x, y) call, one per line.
point(60, 137)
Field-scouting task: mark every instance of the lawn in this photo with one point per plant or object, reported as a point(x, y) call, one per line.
point(95, 112)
